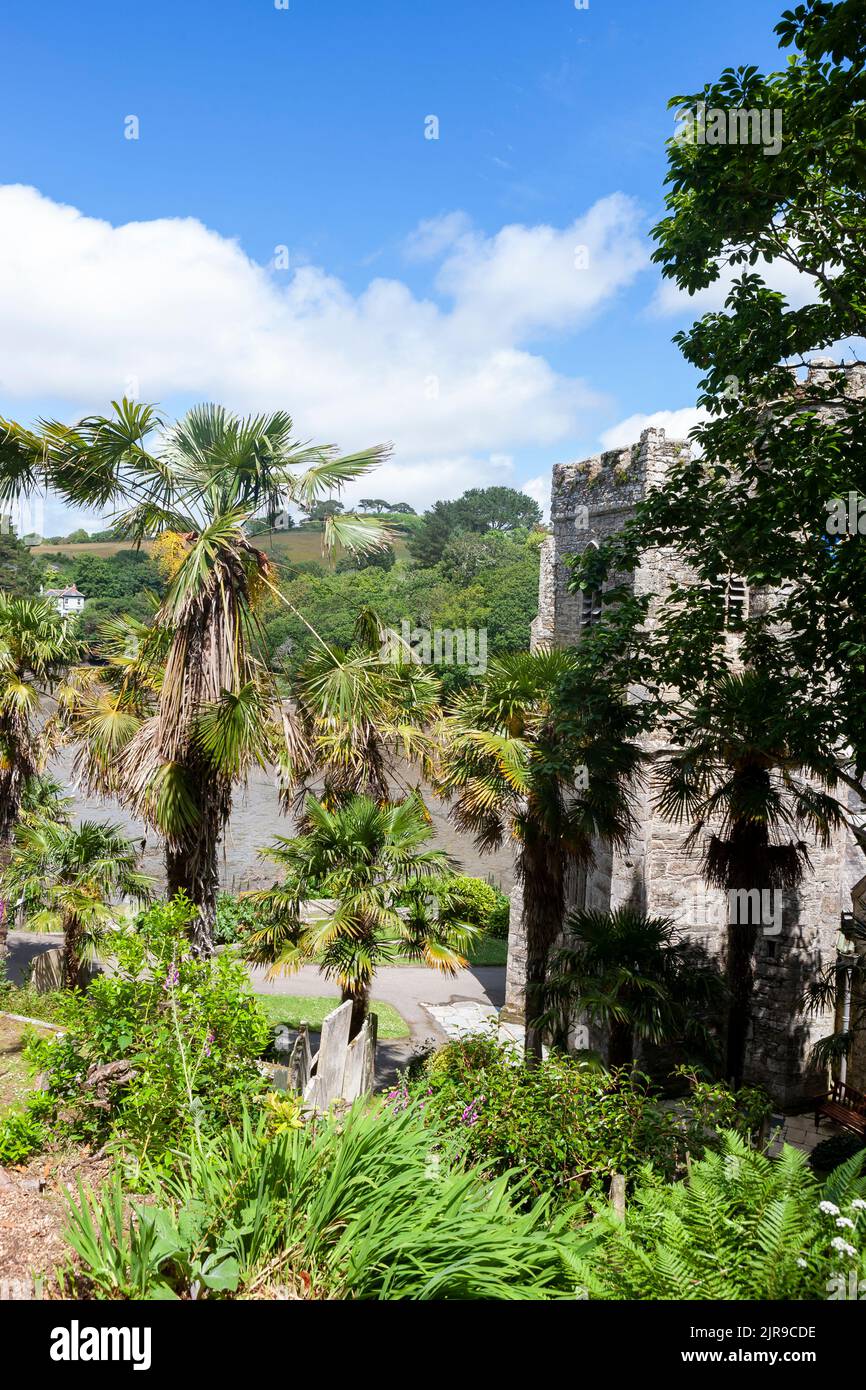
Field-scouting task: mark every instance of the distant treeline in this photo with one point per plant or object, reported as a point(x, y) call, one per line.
point(472, 564)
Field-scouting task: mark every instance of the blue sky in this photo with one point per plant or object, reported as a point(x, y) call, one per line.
point(476, 344)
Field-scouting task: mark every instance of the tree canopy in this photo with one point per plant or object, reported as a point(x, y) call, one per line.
point(778, 444)
point(478, 511)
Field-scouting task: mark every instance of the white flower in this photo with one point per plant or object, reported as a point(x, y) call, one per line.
point(803, 1263)
point(829, 1208)
point(842, 1246)
point(843, 1221)
point(858, 1204)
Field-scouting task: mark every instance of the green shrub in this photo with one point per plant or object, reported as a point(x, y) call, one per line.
point(236, 916)
point(742, 1226)
point(712, 1106)
point(352, 1208)
point(569, 1123)
point(565, 1124)
point(189, 1030)
point(468, 899)
point(23, 1132)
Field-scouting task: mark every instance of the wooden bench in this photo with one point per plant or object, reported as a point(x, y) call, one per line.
point(845, 1106)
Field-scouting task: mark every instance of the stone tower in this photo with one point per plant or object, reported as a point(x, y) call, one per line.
point(591, 500)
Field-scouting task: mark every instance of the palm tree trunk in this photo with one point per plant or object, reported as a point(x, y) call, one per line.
point(20, 763)
point(191, 862)
point(5, 854)
point(744, 920)
point(71, 953)
point(740, 973)
point(360, 998)
point(620, 1051)
point(543, 908)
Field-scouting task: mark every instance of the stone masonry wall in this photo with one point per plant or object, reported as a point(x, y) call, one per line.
point(591, 500)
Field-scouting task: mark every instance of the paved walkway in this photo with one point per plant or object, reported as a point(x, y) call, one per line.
point(801, 1132)
point(407, 987)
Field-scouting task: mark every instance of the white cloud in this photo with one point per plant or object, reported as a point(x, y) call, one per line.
point(798, 289)
point(171, 308)
point(435, 235)
point(527, 280)
point(539, 491)
point(675, 423)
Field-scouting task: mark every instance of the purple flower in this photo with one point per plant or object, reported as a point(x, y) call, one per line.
point(171, 979)
point(470, 1115)
point(207, 1043)
point(398, 1099)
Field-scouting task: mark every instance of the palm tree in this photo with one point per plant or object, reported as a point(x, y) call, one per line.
point(36, 648)
point(632, 975)
point(105, 706)
point(355, 712)
point(750, 776)
point(66, 877)
point(555, 779)
point(216, 711)
point(366, 872)
point(43, 798)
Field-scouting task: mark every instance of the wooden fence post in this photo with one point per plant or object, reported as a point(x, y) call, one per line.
point(617, 1194)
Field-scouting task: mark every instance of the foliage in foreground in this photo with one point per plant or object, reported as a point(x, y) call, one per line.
point(23, 1132)
point(741, 1226)
point(185, 1032)
point(566, 1125)
point(353, 1208)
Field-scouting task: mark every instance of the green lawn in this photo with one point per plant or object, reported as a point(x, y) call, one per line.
point(15, 1080)
point(489, 952)
point(292, 1009)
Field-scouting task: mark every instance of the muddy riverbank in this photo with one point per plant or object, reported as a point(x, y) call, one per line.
point(255, 821)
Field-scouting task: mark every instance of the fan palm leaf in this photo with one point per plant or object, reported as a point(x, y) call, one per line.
point(67, 877)
point(206, 705)
point(365, 870)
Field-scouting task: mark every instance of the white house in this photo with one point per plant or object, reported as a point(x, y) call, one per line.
point(68, 602)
